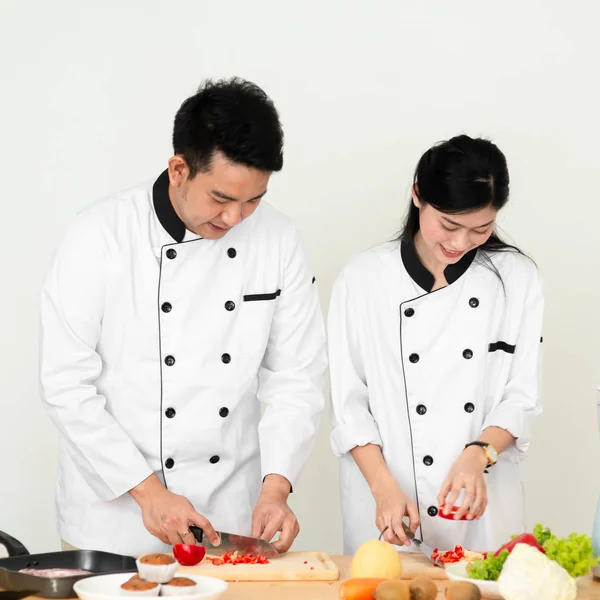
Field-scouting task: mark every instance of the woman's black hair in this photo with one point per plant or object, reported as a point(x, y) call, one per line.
point(457, 176)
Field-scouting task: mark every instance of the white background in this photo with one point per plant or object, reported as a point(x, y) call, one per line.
point(89, 91)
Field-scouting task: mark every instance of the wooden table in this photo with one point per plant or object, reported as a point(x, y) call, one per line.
point(589, 589)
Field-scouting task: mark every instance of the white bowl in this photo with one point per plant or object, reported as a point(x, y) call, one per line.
point(458, 572)
point(108, 587)
point(489, 589)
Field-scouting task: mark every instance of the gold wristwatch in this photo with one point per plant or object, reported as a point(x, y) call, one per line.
point(490, 452)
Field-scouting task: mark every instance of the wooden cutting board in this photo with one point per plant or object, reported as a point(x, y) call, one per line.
point(293, 566)
point(416, 563)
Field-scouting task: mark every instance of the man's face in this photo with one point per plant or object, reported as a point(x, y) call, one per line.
point(212, 203)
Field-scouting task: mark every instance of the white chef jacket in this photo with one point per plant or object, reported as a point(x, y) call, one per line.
point(156, 348)
point(422, 373)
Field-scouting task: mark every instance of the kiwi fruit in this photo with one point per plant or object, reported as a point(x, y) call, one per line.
point(462, 590)
point(422, 588)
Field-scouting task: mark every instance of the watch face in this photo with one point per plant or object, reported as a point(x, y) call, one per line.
point(492, 453)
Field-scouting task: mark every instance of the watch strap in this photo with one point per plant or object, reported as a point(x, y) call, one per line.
point(483, 445)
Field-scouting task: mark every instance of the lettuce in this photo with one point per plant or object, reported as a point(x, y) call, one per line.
point(488, 568)
point(574, 553)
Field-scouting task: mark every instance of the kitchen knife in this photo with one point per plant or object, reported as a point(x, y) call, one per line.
point(422, 547)
point(230, 542)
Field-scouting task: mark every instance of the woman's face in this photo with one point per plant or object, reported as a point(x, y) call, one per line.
point(448, 237)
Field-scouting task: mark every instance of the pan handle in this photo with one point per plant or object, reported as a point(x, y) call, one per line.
point(14, 547)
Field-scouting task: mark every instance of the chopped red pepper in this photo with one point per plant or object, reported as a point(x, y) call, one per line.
point(238, 559)
point(524, 538)
point(451, 556)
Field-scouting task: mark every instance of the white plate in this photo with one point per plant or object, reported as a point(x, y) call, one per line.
point(108, 587)
point(458, 572)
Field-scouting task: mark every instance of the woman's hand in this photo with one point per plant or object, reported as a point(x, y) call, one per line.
point(466, 473)
point(392, 506)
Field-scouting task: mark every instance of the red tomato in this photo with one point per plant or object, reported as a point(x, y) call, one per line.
point(188, 555)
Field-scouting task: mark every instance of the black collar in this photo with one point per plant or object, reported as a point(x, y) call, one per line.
point(165, 212)
point(422, 277)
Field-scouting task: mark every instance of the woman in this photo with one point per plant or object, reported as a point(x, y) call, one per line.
point(434, 344)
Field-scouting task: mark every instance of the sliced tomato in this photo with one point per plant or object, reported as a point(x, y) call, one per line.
point(188, 555)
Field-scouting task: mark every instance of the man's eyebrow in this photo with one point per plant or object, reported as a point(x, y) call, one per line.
point(232, 199)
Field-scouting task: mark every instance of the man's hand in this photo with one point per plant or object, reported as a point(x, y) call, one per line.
point(168, 516)
point(272, 514)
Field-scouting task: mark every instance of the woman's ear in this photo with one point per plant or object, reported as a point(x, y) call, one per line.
point(415, 196)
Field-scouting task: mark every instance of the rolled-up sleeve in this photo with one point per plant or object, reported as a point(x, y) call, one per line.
point(353, 423)
point(521, 402)
point(72, 305)
point(291, 377)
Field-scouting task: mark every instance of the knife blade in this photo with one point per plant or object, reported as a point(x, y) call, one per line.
point(421, 546)
point(231, 542)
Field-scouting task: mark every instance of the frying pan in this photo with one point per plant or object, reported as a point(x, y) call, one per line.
point(58, 587)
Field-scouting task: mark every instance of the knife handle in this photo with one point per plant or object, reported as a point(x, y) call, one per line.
point(197, 533)
point(409, 534)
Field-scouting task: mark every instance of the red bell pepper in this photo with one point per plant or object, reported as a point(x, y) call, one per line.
point(451, 556)
point(524, 538)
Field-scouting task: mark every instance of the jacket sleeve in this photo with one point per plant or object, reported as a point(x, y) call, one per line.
point(520, 403)
point(72, 305)
point(291, 376)
point(353, 423)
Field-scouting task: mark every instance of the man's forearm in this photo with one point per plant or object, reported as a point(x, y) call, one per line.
point(277, 485)
point(147, 488)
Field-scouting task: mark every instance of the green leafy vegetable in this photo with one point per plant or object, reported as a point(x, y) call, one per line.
point(542, 534)
point(574, 553)
point(488, 568)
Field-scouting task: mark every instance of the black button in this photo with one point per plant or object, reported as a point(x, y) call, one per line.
point(229, 305)
point(421, 409)
point(231, 253)
point(468, 354)
point(226, 358)
point(469, 407)
point(215, 459)
point(409, 312)
point(170, 413)
point(427, 460)
point(224, 412)
point(432, 511)
point(166, 307)
point(169, 463)
point(414, 358)
point(171, 253)
point(169, 361)
point(473, 303)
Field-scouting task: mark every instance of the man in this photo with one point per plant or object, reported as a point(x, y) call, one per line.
point(169, 312)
